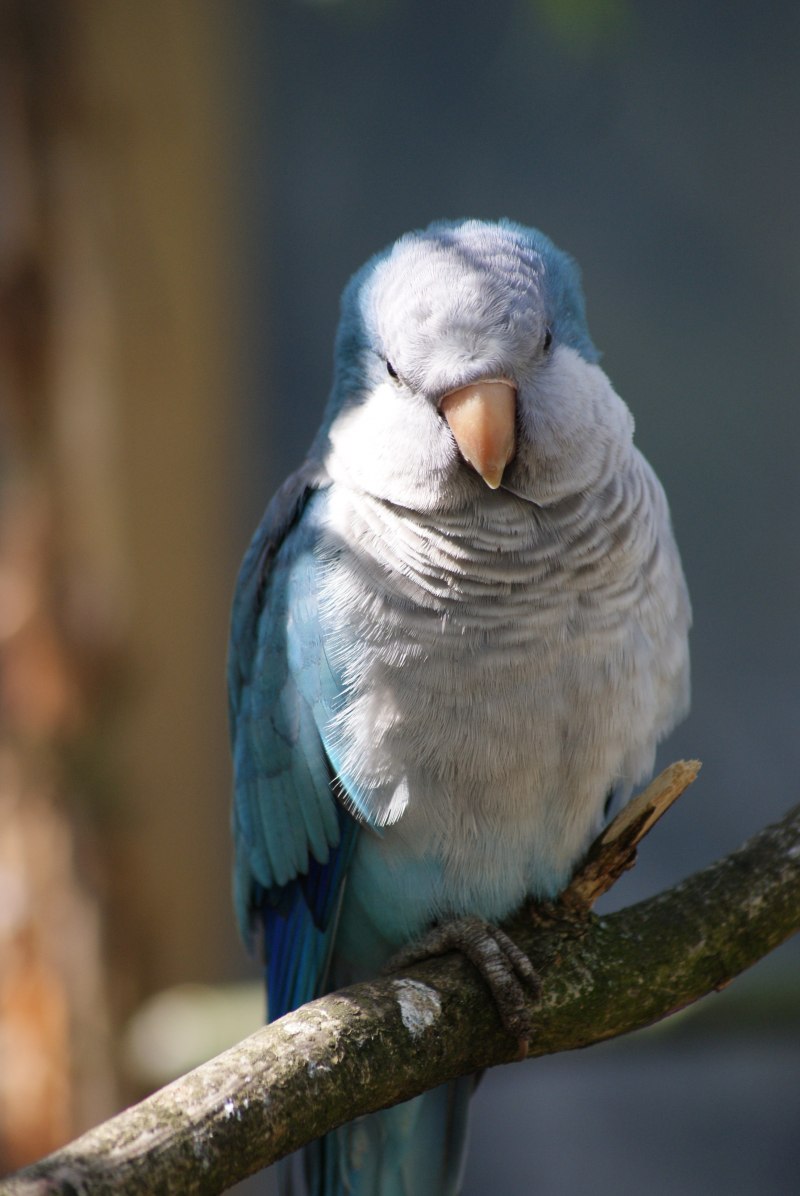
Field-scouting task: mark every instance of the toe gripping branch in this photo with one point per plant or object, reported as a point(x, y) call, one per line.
point(509, 973)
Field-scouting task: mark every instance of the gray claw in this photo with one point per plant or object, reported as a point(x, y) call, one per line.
point(507, 970)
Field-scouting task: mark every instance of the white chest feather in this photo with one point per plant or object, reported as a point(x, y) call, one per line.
point(504, 668)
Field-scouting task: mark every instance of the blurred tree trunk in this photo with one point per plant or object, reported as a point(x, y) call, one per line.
point(114, 570)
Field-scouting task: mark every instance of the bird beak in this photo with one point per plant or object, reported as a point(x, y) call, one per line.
point(482, 418)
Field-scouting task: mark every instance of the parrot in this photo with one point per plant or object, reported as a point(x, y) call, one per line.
point(458, 635)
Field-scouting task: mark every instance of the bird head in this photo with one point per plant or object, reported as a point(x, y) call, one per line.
point(464, 365)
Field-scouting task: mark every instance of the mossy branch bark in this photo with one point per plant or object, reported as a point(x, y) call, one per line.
point(374, 1044)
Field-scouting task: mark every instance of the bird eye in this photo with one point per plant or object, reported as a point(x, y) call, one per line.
point(390, 370)
point(548, 339)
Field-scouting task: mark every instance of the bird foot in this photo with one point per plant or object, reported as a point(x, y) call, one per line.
point(509, 973)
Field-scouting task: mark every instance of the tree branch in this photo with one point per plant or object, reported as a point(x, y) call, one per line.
point(371, 1045)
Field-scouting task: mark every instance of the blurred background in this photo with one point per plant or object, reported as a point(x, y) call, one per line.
point(184, 189)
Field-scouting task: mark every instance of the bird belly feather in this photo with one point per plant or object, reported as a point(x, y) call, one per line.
point(502, 669)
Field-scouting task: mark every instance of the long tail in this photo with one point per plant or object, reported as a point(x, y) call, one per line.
point(413, 1149)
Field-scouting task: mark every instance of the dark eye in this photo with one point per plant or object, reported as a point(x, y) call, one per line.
point(390, 370)
point(548, 340)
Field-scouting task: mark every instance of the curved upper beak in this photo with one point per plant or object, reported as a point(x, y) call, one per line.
point(482, 418)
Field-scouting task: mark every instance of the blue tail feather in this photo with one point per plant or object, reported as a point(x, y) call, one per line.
point(413, 1149)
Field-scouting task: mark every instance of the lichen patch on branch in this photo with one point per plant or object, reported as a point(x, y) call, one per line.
point(419, 1004)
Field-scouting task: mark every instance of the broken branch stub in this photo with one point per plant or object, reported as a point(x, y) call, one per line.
point(614, 850)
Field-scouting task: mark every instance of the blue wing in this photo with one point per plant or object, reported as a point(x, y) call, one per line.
point(293, 839)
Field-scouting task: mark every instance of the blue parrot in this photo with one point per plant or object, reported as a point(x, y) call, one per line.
point(461, 625)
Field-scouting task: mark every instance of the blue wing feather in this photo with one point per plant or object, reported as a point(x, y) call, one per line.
point(299, 924)
point(293, 839)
